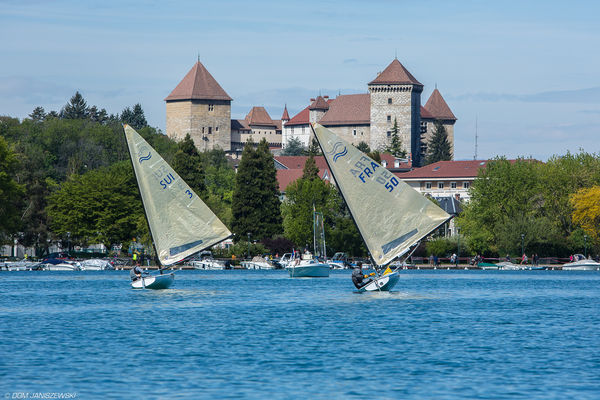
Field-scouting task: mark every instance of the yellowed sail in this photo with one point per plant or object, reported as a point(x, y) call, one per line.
point(180, 223)
point(390, 215)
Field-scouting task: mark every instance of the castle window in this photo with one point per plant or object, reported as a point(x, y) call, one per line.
point(216, 129)
point(209, 130)
point(440, 185)
point(211, 107)
point(354, 132)
point(389, 133)
point(389, 118)
point(428, 185)
point(390, 100)
point(202, 129)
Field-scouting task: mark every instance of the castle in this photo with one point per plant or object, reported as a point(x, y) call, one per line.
point(199, 106)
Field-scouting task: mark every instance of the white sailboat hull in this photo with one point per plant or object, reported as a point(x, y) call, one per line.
point(154, 282)
point(384, 283)
point(309, 269)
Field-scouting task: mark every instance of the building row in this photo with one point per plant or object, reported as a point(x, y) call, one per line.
point(200, 107)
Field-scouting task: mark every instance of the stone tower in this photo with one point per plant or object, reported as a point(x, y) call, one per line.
point(396, 95)
point(199, 106)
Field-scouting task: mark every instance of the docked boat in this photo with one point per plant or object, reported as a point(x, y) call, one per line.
point(581, 264)
point(509, 266)
point(180, 223)
point(54, 264)
point(310, 265)
point(96, 264)
point(23, 265)
point(391, 217)
point(339, 261)
point(258, 262)
point(206, 261)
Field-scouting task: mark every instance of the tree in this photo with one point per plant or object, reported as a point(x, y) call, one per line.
point(395, 147)
point(100, 206)
point(439, 147)
point(135, 117)
point(76, 108)
point(586, 211)
point(293, 148)
point(190, 166)
point(10, 192)
point(364, 147)
point(38, 114)
point(256, 205)
point(314, 149)
point(220, 183)
point(310, 170)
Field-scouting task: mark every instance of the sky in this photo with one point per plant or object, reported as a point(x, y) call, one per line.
point(521, 76)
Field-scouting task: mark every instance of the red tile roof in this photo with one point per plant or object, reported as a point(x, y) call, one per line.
point(296, 167)
point(426, 114)
point(395, 74)
point(259, 116)
point(319, 104)
point(287, 176)
point(437, 106)
point(390, 159)
point(446, 169)
point(351, 109)
point(198, 84)
point(302, 118)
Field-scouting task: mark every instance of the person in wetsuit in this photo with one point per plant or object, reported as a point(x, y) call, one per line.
point(358, 277)
point(136, 273)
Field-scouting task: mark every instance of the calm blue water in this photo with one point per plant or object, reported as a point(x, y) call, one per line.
point(260, 334)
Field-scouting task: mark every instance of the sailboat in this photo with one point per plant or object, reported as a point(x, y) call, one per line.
point(181, 224)
point(310, 265)
point(391, 216)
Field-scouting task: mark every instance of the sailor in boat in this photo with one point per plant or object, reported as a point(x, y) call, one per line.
point(358, 277)
point(136, 273)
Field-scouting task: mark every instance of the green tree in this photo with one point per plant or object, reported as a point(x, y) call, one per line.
point(38, 114)
point(314, 149)
point(293, 148)
point(190, 166)
point(439, 147)
point(100, 206)
point(10, 192)
point(76, 108)
point(256, 205)
point(364, 147)
point(220, 183)
point(134, 117)
point(395, 147)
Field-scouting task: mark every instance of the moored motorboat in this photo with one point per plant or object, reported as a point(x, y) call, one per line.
point(308, 268)
point(95, 264)
point(581, 264)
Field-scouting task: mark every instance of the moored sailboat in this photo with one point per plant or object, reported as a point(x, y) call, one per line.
point(312, 265)
point(391, 216)
point(181, 224)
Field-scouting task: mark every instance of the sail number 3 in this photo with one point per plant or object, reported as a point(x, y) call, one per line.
point(367, 169)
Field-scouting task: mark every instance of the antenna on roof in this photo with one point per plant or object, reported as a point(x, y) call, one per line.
point(198, 56)
point(475, 157)
point(436, 85)
point(396, 54)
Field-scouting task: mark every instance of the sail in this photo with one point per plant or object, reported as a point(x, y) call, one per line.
point(390, 215)
point(180, 223)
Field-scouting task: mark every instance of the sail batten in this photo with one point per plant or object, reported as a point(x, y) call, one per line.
point(390, 215)
point(180, 223)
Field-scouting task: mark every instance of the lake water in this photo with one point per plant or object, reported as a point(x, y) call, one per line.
point(259, 334)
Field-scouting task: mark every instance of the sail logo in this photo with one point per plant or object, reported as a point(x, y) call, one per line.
point(339, 150)
point(142, 150)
